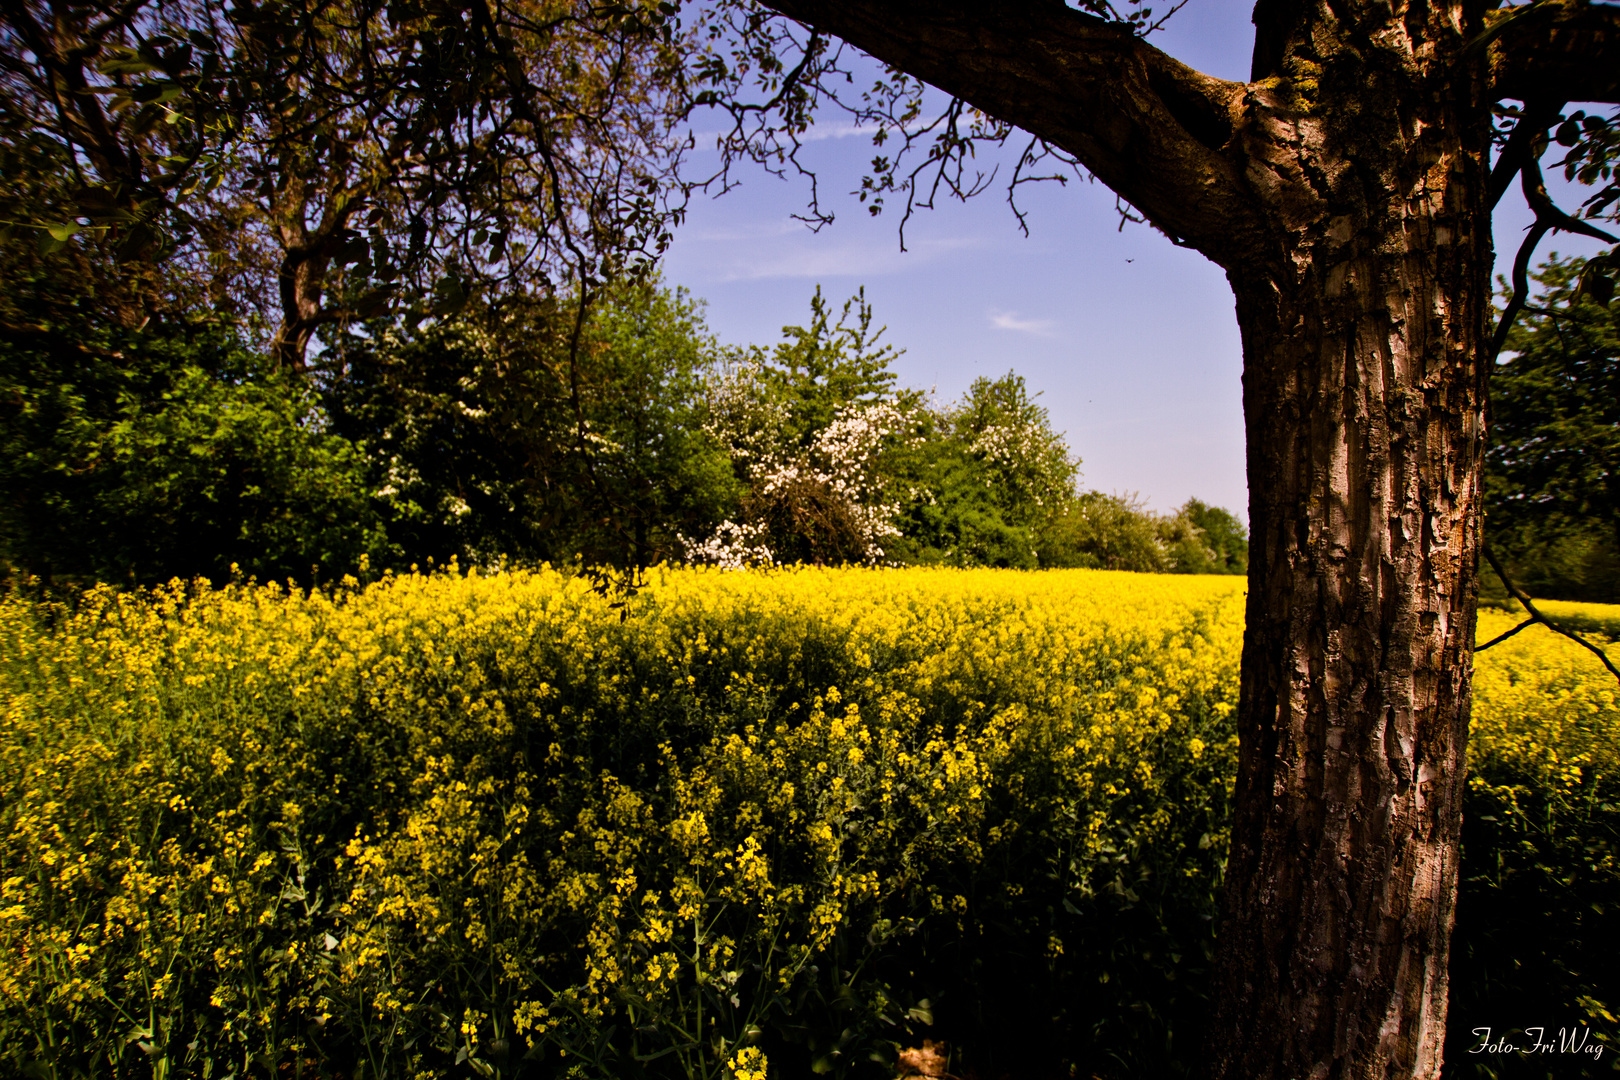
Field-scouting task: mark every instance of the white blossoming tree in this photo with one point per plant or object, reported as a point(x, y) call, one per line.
point(809, 427)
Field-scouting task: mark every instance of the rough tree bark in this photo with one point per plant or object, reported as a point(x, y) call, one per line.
point(1345, 190)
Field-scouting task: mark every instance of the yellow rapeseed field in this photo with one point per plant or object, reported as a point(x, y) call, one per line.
point(460, 822)
point(1544, 708)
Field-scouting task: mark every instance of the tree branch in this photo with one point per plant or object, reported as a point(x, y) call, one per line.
point(1569, 50)
point(1151, 128)
point(1523, 144)
point(1535, 193)
point(1521, 290)
point(1537, 617)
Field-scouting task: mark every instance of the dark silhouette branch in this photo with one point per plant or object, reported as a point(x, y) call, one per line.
point(1521, 290)
point(1537, 617)
point(1548, 218)
point(1154, 130)
point(1522, 144)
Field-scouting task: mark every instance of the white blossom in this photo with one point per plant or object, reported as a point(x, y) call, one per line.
point(731, 547)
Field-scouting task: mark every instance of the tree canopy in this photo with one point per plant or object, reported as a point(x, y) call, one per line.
point(320, 162)
point(1553, 477)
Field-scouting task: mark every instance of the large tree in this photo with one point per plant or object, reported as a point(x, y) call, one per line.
point(1346, 190)
point(315, 160)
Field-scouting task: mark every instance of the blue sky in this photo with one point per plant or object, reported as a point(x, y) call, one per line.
point(1131, 341)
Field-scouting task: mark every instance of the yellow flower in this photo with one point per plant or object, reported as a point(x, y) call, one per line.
point(749, 1063)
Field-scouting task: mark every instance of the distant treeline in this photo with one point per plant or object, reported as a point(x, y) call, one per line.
point(613, 436)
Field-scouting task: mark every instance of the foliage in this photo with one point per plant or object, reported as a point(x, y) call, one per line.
point(985, 479)
point(1114, 532)
point(1593, 145)
point(327, 154)
point(652, 460)
point(1117, 532)
point(763, 821)
point(502, 434)
point(177, 451)
point(825, 369)
point(951, 514)
point(1553, 479)
point(619, 435)
point(1221, 535)
point(134, 456)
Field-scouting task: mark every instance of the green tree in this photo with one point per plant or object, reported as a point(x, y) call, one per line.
point(496, 433)
point(950, 511)
point(987, 479)
point(1027, 465)
point(1118, 532)
point(1553, 468)
point(134, 456)
point(653, 463)
point(1224, 539)
point(825, 368)
point(1105, 532)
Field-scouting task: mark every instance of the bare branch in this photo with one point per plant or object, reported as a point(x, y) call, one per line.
point(1148, 126)
point(1537, 617)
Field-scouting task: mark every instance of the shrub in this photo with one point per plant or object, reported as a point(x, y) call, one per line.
point(141, 456)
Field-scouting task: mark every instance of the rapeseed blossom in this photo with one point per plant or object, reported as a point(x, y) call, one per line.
point(464, 819)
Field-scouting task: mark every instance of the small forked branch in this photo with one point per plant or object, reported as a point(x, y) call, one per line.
point(1537, 617)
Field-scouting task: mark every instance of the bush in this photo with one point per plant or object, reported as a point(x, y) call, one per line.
point(140, 456)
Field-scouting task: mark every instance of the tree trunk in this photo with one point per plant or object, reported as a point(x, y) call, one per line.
point(1363, 399)
point(299, 282)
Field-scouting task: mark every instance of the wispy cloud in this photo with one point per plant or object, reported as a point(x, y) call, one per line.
point(1009, 320)
point(747, 232)
point(752, 254)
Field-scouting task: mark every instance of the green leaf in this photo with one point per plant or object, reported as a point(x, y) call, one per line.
point(131, 63)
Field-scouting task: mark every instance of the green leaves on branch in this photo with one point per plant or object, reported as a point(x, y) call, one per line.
point(1553, 469)
point(316, 153)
